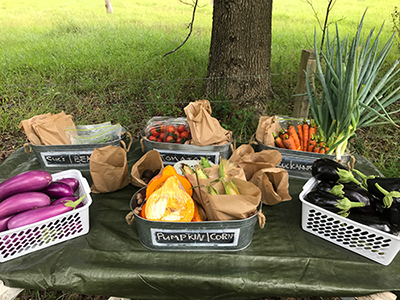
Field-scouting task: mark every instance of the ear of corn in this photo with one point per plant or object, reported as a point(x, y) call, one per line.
point(186, 169)
point(200, 173)
point(204, 163)
point(211, 190)
point(230, 187)
point(224, 166)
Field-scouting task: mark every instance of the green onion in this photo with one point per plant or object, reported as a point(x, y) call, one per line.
point(352, 96)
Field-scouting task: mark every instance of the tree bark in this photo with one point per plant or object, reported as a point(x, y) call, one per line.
point(240, 52)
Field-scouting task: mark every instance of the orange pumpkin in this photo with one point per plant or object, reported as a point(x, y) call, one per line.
point(199, 213)
point(170, 203)
point(160, 179)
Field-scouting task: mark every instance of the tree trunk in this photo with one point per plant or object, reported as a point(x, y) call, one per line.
point(240, 52)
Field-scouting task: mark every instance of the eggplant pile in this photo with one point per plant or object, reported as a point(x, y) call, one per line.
point(373, 201)
point(34, 196)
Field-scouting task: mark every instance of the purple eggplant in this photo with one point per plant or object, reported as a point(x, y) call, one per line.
point(42, 213)
point(66, 199)
point(21, 202)
point(29, 181)
point(4, 222)
point(58, 190)
point(72, 182)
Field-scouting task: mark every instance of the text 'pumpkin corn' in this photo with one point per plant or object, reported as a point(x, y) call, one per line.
point(170, 203)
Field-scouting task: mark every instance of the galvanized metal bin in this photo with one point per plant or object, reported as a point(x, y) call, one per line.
point(64, 157)
point(172, 153)
point(193, 236)
point(298, 163)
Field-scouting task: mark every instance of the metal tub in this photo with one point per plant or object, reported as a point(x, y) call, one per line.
point(65, 157)
point(298, 163)
point(172, 153)
point(193, 236)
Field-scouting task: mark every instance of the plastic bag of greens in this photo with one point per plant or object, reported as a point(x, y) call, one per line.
point(94, 134)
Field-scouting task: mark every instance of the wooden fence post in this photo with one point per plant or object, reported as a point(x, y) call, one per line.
point(301, 103)
point(109, 8)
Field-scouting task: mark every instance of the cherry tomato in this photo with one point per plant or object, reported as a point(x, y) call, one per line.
point(161, 136)
point(184, 134)
point(181, 128)
point(154, 132)
point(170, 139)
point(158, 140)
point(178, 140)
point(152, 128)
point(162, 128)
point(171, 128)
point(152, 138)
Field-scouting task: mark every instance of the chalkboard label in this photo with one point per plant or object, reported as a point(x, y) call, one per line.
point(217, 237)
point(52, 158)
point(172, 157)
point(292, 164)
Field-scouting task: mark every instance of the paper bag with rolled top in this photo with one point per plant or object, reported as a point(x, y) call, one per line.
point(222, 207)
point(109, 169)
point(251, 161)
point(152, 161)
point(205, 130)
point(266, 127)
point(274, 185)
point(51, 130)
point(27, 127)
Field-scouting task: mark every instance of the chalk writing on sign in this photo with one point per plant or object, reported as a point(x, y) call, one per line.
point(172, 157)
point(65, 158)
point(225, 237)
point(293, 164)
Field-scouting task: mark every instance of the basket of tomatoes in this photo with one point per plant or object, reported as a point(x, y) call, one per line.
point(171, 137)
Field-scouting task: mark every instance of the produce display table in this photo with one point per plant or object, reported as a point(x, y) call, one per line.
point(282, 259)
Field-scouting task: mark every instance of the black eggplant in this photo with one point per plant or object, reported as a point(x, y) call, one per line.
point(329, 170)
point(331, 202)
point(391, 214)
point(386, 189)
point(356, 193)
point(373, 221)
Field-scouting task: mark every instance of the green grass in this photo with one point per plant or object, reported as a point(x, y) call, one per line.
point(72, 56)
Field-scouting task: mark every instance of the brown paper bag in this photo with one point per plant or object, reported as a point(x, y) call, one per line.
point(251, 161)
point(274, 185)
point(205, 130)
point(109, 169)
point(151, 160)
point(27, 127)
point(266, 126)
point(227, 207)
point(51, 130)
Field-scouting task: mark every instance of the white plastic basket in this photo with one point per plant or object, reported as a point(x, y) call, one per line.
point(23, 240)
point(369, 242)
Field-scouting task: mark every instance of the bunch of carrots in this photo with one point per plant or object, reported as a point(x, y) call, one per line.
point(305, 138)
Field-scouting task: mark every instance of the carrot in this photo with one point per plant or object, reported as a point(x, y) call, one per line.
point(316, 148)
point(278, 141)
point(326, 149)
point(289, 142)
point(313, 129)
point(310, 147)
point(322, 150)
point(305, 134)
point(291, 130)
point(300, 131)
point(311, 142)
point(281, 133)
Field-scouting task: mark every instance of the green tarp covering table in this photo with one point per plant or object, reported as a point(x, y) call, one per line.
point(282, 259)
